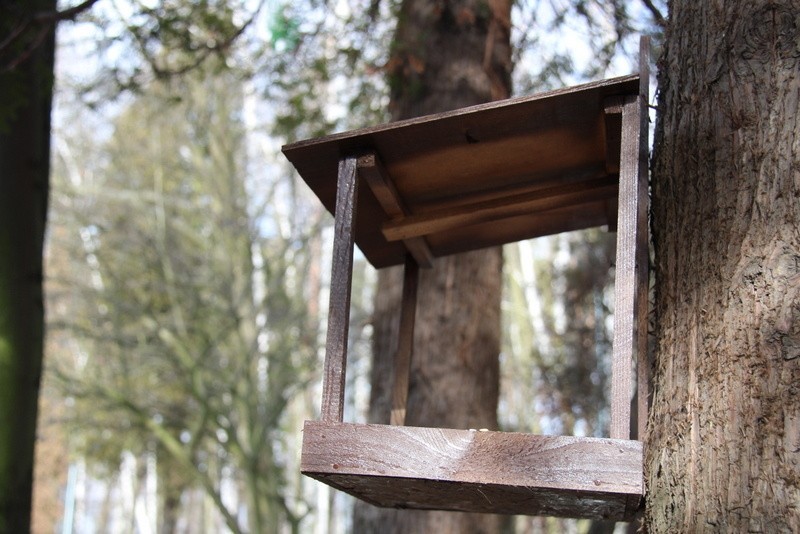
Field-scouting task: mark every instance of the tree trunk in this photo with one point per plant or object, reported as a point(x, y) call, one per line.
point(445, 56)
point(25, 102)
point(722, 450)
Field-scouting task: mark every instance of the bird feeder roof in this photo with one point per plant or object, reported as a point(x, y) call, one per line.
point(483, 175)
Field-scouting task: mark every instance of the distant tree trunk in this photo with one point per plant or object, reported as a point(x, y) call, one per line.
point(25, 102)
point(446, 55)
point(723, 451)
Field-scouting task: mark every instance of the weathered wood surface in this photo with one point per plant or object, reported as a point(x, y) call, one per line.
point(625, 283)
point(539, 141)
point(510, 205)
point(405, 343)
point(333, 378)
point(371, 168)
point(631, 283)
point(497, 472)
point(642, 244)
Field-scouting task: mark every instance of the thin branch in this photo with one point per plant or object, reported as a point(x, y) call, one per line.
point(657, 15)
point(50, 17)
point(200, 55)
point(44, 22)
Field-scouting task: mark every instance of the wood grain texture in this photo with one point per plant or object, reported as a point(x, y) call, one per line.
point(373, 171)
point(405, 343)
point(642, 245)
point(478, 152)
point(626, 276)
point(497, 472)
point(511, 205)
point(341, 282)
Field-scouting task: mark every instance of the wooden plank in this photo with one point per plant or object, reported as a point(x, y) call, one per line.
point(341, 282)
point(529, 142)
point(405, 343)
point(493, 472)
point(373, 171)
point(511, 205)
point(625, 285)
point(521, 227)
point(642, 243)
point(490, 111)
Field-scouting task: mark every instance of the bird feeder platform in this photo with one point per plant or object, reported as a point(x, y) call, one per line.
point(411, 191)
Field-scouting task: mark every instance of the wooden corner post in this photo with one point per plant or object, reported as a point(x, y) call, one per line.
point(341, 283)
point(642, 247)
point(630, 285)
point(405, 342)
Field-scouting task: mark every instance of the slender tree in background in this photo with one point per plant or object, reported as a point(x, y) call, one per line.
point(189, 324)
point(724, 435)
point(26, 84)
point(168, 41)
point(27, 49)
point(444, 56)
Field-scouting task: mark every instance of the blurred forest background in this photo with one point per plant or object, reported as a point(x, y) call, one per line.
point(187, 265)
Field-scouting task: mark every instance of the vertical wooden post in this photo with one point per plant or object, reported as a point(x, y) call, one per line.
point(405, 343)
point(341, 282)
point(642, 243)
point(626, 282)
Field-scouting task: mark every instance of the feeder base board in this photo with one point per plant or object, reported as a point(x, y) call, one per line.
point(469, 471)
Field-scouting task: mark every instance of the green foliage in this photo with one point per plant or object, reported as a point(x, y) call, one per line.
point(137, 43)
point(284, 29)
point(334, 77)
point(569, 41)
point(189, 326)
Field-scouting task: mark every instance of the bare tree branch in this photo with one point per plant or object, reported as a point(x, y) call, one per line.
point(163, 72)
point(657, 15)
point(49, 17)
point(38, 25)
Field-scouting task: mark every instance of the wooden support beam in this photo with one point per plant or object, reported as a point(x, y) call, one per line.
point(341, 283)
point(510, 205)
point(405, 343)
point(373, 171)
point(626, 288)
point(642, 243)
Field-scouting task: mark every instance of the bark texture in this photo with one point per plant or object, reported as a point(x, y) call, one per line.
point(25, 102)
point(446, 55)
point(723, 451)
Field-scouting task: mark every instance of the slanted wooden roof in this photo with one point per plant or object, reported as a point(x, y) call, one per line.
point(480, 176)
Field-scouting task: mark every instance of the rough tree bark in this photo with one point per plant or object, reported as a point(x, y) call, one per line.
point(445, 55)
point(724, 436)
point(26, 82)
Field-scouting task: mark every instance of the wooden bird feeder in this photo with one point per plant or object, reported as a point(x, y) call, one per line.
point(411, 191)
